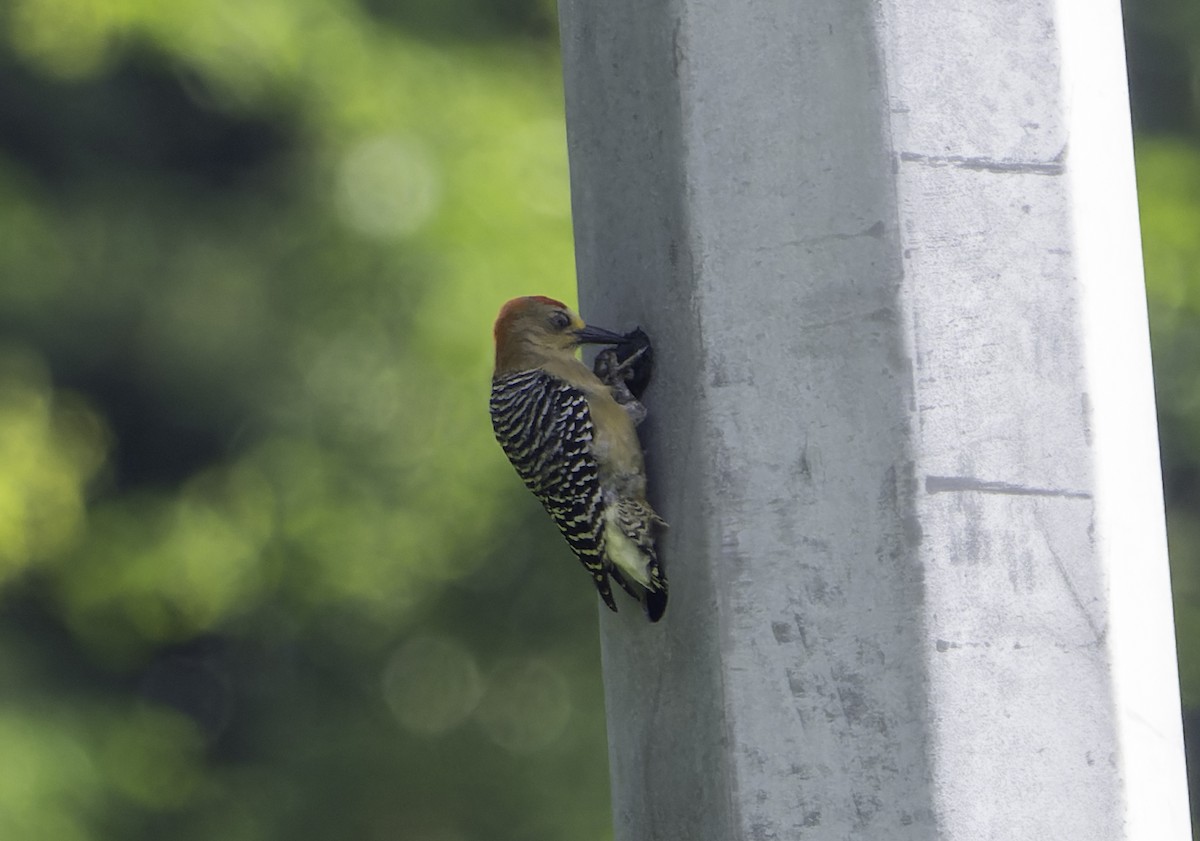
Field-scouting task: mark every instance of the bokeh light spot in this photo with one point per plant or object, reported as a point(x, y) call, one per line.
point(66, 37)
point(432, 684)
point(153, 757)
point(388, 187)
point(527, 707)
point(44, 765)
point(50, 445)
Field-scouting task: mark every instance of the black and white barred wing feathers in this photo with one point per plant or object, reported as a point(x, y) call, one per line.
point(545, 428)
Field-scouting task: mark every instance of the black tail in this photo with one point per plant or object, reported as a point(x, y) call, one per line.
point(656, 604)
point(654, 601)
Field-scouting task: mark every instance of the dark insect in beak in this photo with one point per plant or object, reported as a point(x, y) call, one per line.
point(631, 361)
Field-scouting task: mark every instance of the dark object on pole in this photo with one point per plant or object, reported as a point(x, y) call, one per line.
point(631, 361)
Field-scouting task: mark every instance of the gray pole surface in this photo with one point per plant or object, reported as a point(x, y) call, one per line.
point(902, 423)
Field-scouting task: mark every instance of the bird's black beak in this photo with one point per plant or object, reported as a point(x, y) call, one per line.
point(598, 336)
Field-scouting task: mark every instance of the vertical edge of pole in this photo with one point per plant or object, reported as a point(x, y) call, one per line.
point(1132, 536)
point(621, 62)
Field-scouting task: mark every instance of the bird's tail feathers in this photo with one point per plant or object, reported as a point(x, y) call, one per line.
point(653, 598)
point(655, 604)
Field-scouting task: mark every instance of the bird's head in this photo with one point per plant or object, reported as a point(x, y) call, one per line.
point(532, 329)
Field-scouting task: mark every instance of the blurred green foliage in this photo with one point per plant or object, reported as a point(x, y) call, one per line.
point(1163, 43)
point(263, 571)
point(1169, 192)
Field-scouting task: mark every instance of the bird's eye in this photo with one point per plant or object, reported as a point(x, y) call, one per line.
point(559, 320)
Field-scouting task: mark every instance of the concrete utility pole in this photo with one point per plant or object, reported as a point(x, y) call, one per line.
point(902, 427)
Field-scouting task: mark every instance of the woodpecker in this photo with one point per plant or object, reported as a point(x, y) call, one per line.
point(575, 446)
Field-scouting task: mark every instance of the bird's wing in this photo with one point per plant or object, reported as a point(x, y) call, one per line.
point(545, 428)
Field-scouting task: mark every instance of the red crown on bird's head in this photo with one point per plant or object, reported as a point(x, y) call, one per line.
point(516, 305)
